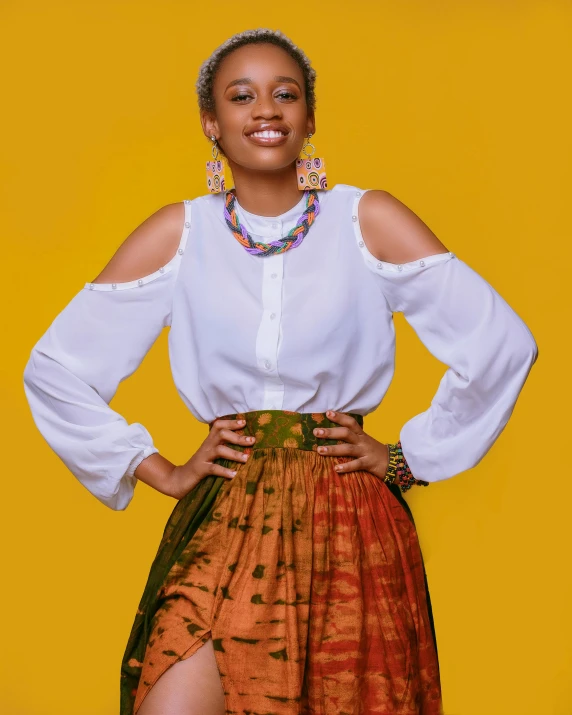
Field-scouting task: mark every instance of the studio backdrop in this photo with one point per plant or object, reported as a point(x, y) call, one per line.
point(460, 110)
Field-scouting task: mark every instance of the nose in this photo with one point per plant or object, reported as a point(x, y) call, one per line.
point(266, 107)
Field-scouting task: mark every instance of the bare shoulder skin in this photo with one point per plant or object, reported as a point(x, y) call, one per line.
point(394, 233)
point(151, 245)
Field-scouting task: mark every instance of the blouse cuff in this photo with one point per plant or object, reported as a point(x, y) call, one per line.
point(136, 461)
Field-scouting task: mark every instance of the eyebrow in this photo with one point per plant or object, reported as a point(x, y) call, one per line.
point(278, 78)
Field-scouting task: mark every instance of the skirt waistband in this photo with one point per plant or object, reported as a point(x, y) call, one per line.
point(282, 428)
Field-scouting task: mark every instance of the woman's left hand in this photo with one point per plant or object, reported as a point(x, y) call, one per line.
point(371, 455)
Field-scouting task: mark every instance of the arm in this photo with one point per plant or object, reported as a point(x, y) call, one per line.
point(98, 340)
point(464, 323)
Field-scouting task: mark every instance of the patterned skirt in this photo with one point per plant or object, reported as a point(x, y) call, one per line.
point(310, 583)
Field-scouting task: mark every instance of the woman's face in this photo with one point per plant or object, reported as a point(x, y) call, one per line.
point(261, 117)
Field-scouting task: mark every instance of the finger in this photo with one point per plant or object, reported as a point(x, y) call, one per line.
point(227, 435)
point(345, 420)
point(219, 425)
point(335, 433)
point(353, 466)
point(218, 471)
point(222, 451)
point(339, 450)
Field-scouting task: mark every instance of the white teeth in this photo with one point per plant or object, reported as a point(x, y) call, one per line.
point(268, 134)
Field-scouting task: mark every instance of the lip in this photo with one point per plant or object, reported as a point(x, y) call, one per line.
point(269, 141)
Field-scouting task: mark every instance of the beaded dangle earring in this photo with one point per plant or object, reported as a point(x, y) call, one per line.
point(310, 172)
point(215, 171)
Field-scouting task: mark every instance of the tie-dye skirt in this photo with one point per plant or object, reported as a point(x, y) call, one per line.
point(310, 583)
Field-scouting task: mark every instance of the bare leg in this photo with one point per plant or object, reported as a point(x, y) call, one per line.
point(188, 687)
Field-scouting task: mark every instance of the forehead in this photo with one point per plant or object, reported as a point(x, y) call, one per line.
point(260, 62)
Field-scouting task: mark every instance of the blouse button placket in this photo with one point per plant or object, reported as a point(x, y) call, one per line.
point(268, 335)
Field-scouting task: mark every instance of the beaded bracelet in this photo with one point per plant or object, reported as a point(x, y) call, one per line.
point(398, 468)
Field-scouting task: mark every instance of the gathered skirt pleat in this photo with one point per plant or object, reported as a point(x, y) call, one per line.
point(310, 583)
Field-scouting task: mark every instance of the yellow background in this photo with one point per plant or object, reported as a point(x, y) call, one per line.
point(462, 111)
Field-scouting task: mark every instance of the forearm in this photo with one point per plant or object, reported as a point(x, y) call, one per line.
point(155, 470)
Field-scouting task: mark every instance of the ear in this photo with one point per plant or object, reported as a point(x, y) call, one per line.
point(209, 124)
point(311, 123)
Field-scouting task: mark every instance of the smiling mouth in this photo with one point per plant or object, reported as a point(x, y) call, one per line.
point(268, 134)
point(268, 137)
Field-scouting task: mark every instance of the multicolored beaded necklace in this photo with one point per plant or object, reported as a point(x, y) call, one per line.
point(291, 240)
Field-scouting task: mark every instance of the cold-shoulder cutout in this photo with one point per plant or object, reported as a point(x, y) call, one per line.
point(157, 244)
point(397, 240)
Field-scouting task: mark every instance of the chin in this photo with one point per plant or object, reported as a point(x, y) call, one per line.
point(268, 160)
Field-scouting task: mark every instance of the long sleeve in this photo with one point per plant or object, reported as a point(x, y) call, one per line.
point(75, 368)
point(487, 347)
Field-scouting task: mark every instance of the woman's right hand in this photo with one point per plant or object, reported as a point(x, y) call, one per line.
point(185, 477)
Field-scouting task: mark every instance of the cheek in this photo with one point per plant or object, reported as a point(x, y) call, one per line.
point(231, 124)
point(231, 138)
point(295, 113)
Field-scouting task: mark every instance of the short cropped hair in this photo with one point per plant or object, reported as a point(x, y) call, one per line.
point(209, 67)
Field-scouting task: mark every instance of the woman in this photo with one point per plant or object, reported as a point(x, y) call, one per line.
point(289, 578)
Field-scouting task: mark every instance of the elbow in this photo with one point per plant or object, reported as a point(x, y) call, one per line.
point(28, 367)
point(522, 347)
point(521, 355)
point(34, 382)
point(534, 351)
point(29, 370)
point(528, 349)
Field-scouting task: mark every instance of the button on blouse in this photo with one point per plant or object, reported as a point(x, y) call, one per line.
point(307, 330)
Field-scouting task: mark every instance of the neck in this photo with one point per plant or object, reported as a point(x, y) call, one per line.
point(266, 193)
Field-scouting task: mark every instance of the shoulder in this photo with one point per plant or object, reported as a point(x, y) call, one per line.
point(392, 231)
point(150, 245)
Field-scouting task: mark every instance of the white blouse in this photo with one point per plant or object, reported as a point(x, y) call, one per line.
point(308, 330)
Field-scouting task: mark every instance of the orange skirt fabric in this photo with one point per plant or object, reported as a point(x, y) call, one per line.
point(310, 583)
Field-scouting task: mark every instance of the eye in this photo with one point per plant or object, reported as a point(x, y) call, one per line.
point(239, 97)
point(288, 95)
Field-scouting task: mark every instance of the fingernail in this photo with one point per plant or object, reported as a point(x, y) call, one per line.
point(233, 474)
point(319, 431)
point(322, 449)
point(244, 457)
point(337, 467)
point(331, 414)
point(240, 422)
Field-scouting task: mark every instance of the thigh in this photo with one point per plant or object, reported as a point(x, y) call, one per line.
point(188, 687)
